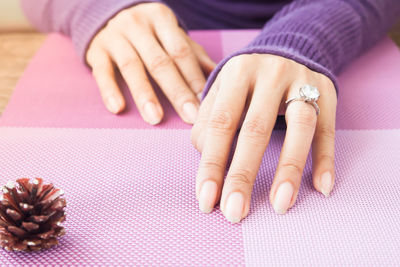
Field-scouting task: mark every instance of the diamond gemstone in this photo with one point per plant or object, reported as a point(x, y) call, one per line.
point(310, 92)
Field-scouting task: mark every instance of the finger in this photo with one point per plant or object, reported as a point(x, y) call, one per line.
point(221, 128)
point(103, 73)
point(174, 42)
point(198, 131)
point(134, 74)
point(253, 139)
point(323, 146)
point(206, 63)
point(165, 73)
point(301, 120)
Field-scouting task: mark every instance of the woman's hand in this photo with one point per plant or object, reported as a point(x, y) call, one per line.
point(253, 89)
point(148, 37)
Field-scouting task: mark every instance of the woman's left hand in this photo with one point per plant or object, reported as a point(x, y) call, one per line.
point(250, 91)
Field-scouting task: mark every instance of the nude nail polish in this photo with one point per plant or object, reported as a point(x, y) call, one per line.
point(283, 196)
point(190, 110)
point(207, 196)
point(234, 207)
point(152, 115)
point(113, 104)
point(326, 183)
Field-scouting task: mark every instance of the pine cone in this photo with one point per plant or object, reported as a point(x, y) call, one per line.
point(31, 214)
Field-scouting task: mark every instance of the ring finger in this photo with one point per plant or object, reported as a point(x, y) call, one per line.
point(301, 121)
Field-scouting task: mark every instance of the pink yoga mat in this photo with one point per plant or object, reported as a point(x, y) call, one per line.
point(130, 187)
point(58, 91)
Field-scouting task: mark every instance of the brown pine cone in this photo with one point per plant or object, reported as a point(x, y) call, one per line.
point(31, 214)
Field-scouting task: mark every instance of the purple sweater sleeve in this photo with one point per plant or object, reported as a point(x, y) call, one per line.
point(324, 35)
point(79, 19)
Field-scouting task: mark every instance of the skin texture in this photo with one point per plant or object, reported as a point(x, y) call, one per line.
point(248, 94)
point(173, 60)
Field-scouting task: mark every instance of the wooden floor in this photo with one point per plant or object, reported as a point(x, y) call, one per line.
point(16, 50)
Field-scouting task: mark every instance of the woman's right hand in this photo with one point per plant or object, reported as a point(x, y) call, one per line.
point(148, 37)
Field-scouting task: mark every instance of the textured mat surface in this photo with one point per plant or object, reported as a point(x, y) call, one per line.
point(130, 197)
point(358, 225)
point(131, 200)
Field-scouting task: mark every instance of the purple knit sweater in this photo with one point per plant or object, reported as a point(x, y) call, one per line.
point(324, 35)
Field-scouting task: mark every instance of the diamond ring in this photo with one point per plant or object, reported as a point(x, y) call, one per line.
point(308, 94)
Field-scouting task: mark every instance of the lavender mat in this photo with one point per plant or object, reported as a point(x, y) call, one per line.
point(358, 225)
point(131, 201)
point(130, 197)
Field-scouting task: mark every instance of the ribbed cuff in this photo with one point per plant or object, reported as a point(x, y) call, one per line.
point(310, 33)
point(93, 19)
point(96, 17)
point(322, 35)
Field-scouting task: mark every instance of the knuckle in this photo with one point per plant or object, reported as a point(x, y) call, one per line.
point(212, 164)
point(241, 177)
point(159, 62)
point(326, 158)
point(143, 96)
point(125, 17)
point(197, 84)
point(255, 128)
point(292, 164)
point(221, 120)
point(180, 51)
point(279, 66)
point(180, 96)
point(326, 132)
point(128, 63)
point(159, 9)
point(134, 19)
point(236, 66)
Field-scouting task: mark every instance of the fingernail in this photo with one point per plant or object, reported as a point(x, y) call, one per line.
point(234, 207)
point(190, 111)
point(113, 104)
point(153, 116)
point(208, 193)
point(283, 196)
point(326, 183)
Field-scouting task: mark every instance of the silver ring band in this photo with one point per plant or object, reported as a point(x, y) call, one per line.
point(308, 94)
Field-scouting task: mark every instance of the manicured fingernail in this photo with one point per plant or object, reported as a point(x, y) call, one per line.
point(152, 114)
point(283, 196)
point(234, 207)
point(113, 104)
point(326, 183)
point(208, 193)
point(190, 111)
